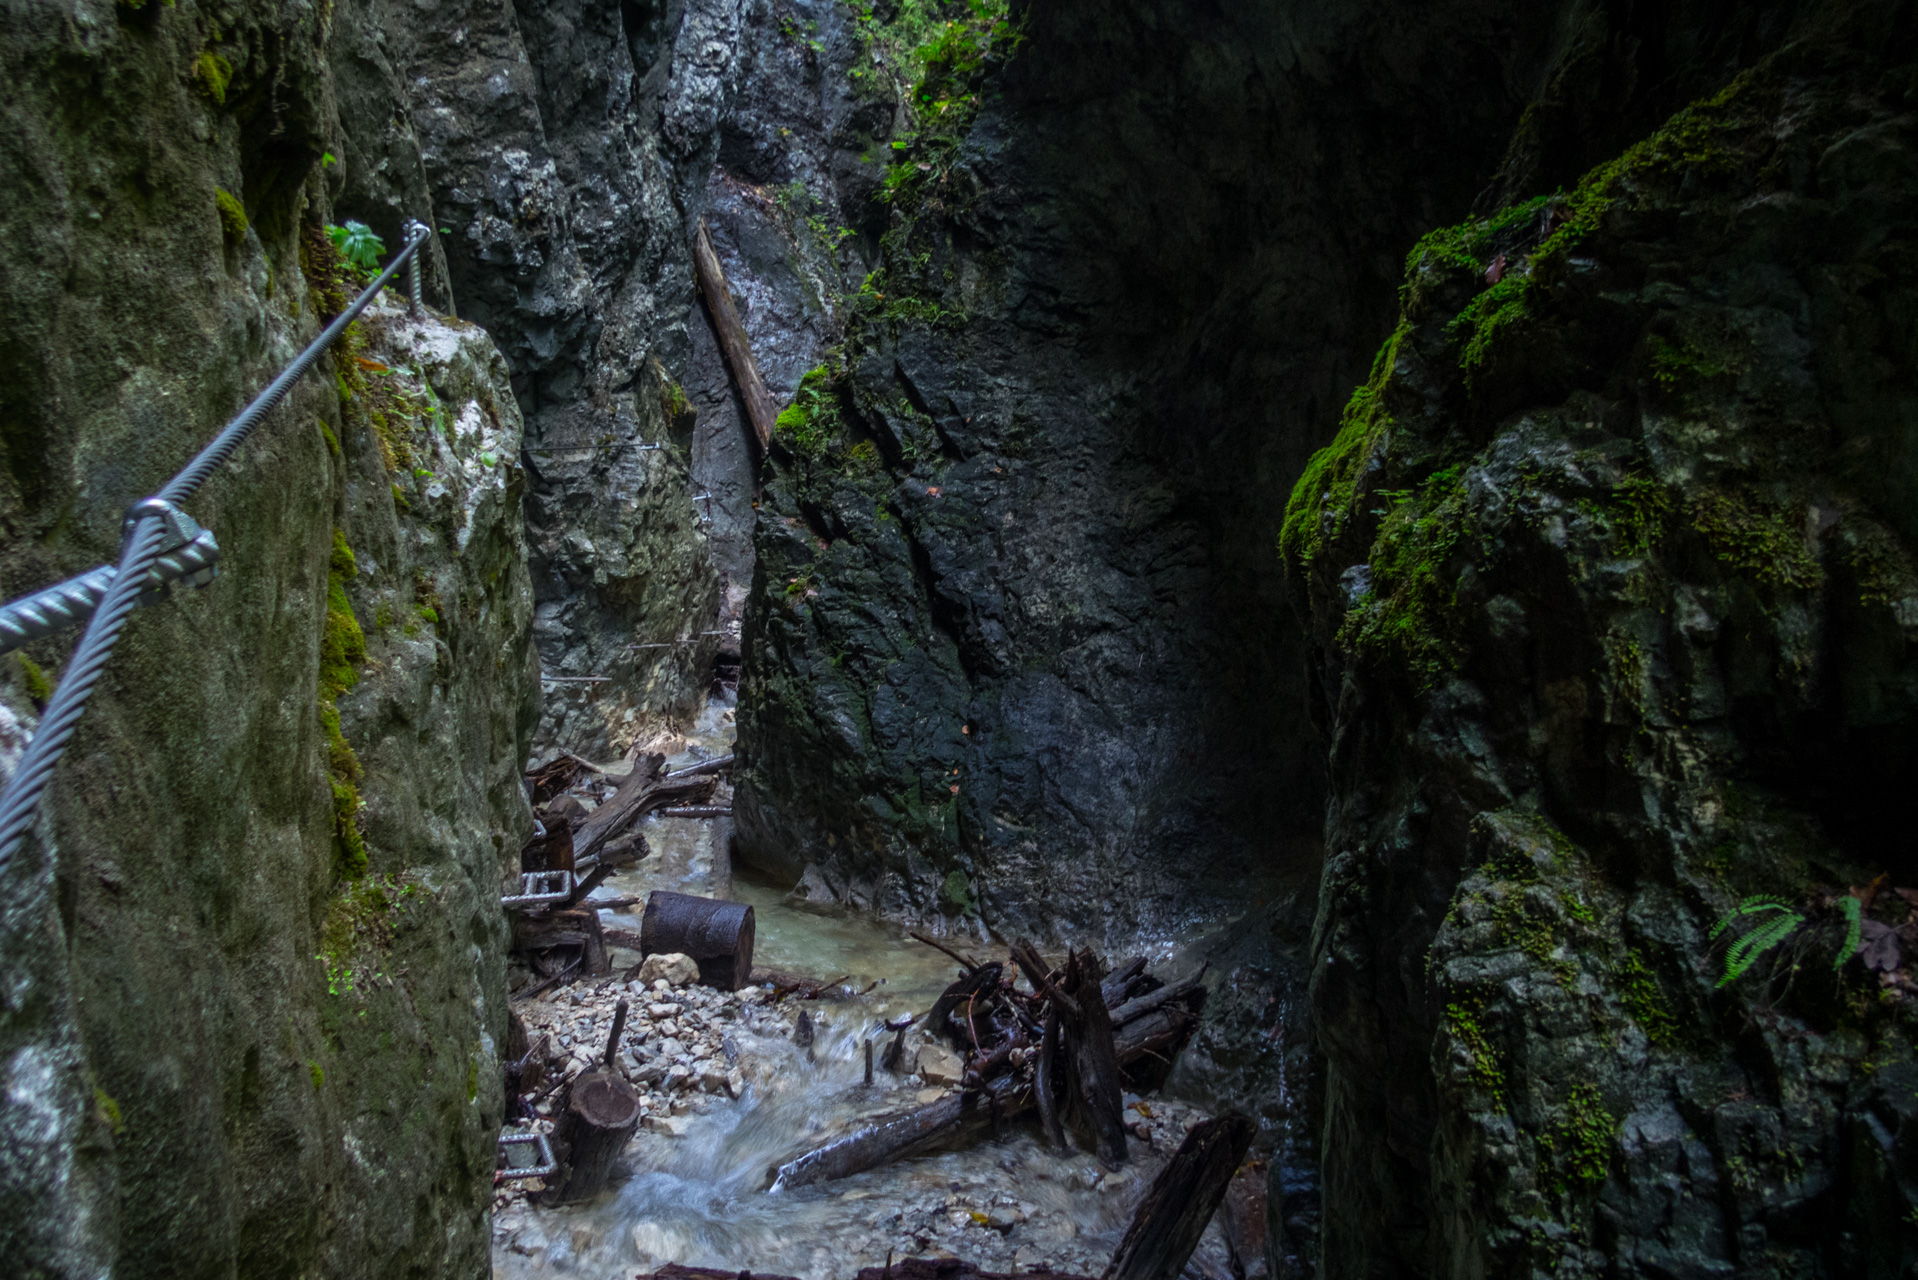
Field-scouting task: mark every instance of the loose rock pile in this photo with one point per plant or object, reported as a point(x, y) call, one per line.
point(674, 1048)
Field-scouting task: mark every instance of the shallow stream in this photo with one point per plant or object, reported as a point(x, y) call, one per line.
point(697, 1192)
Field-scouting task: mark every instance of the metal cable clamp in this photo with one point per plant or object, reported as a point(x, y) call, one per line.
point(547, 1166)
point(188, 554)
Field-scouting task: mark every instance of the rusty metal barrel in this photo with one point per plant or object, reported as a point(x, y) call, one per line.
point(717, 935)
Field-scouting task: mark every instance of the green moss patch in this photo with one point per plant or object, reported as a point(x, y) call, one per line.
point(213, 74)
point(1408, 617)
point(232, 213)
point(342, 653)
point(1644, 1000)
point(1756, 538)
point(1577, 1146)
point(1325, 495)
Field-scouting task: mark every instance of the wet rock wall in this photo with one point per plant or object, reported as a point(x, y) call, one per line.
point(1604, 575)
point(556, 145)
point(251, 1011)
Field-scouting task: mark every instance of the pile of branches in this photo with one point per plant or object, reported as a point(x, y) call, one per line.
point(1068, 1048)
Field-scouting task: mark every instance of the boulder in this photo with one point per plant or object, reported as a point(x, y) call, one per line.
point(673, 967)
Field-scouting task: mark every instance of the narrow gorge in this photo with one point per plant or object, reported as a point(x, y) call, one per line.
point(1343, 567)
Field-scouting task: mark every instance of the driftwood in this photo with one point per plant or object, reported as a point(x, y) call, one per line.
point(945, 1269)
point(1045, 1082)
point(1093, 1085)
point(1181, 1201)
point(717, 935)
point(733, 341)
point(602, 1111)
point(714, 765)
point(1153, 1036)
point(1142, 1005)
point(904, 1269)
point(644, 790)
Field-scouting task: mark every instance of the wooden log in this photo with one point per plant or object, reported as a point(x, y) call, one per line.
point(927, 1269)
point(673, 1271)
point(885, 1140)
point(601, 1113)
point(696, 811)
point(1120, 982)
point(1139, 1006)
point(955, 997)
point(1181, 1201)
point(733, 341)
point(717, 935)
point(1045, 1082)
point(644, 790)
point(1095, 1060)
point(715, 765)
point(956, 1114)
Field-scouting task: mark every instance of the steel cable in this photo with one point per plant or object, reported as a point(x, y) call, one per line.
point(21, 800)
point(139, 549)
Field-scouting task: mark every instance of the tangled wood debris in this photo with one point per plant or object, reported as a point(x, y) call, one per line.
point(1067, 1048)
point(564, 940)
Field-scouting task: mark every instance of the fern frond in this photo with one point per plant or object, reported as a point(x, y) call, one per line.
point(1757, 904)
point(1779, 923)
point(1854, 928)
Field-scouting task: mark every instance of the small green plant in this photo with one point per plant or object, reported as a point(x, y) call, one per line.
point(1767, 922)
point(357, 244)
point(1854, 913)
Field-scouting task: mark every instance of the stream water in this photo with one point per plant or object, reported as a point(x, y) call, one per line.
point(699, 1196)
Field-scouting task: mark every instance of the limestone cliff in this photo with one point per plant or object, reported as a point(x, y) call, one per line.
point(254, 1031)
point(563, 147)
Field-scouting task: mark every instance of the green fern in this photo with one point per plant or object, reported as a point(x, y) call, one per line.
point(1854, 928)
point(1770, 922)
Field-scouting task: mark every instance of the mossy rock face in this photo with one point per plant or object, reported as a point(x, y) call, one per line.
point(215, 1109)
point(1607, 572)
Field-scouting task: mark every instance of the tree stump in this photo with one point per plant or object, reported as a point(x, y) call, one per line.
point(602, 1111)
point(717, 935)
point(1182, 1200)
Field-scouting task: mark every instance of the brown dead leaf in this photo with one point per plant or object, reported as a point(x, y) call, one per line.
point(1881, 952)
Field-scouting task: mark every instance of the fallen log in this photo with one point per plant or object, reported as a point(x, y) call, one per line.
point(967, 989)
point(941, 1269)
point(644, 790)
point(958, 1113)
point(715, 765)
point(1181, 1201)
point(733, 341)
point(1142, 1005)
point(717, 935)
point(696, 811)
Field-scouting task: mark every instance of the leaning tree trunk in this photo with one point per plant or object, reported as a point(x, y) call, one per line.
point(1182, 1200)
point(717, 935)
